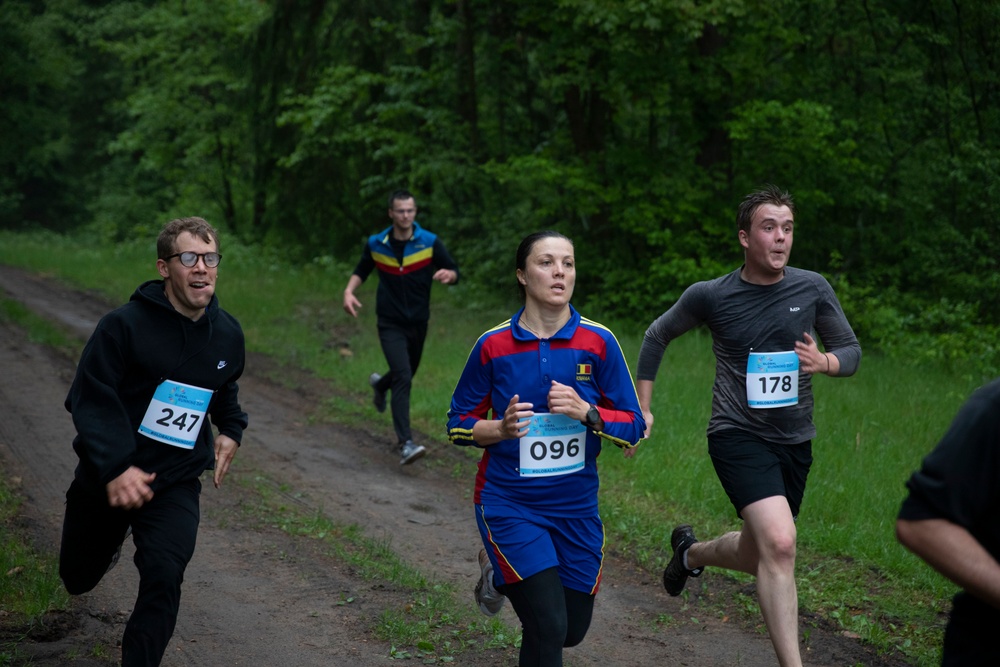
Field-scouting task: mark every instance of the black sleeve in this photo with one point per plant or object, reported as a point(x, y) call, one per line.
point(366, 264)
point(958, 480)
point(443, 260)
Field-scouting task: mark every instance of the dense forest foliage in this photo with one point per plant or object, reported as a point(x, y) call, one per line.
point(634, 126)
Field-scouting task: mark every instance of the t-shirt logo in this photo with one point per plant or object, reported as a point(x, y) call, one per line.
point(583, 372)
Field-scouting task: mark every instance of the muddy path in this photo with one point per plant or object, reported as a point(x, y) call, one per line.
point(254, 595)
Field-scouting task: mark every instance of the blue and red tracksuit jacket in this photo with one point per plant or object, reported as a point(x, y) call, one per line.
point(508, 360)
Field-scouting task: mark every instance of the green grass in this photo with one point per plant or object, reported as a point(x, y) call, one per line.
point(39, 330)
point(873, 429)
point(29, 580)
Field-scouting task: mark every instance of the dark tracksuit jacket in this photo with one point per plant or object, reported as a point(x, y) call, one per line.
point(404, 288)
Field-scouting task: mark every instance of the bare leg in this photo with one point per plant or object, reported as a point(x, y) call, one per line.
point(765, 547)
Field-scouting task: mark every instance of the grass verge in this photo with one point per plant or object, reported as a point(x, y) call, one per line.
point(30, 586)
point(433, 625)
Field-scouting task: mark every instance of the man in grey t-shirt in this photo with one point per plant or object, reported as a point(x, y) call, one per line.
point(764, 318)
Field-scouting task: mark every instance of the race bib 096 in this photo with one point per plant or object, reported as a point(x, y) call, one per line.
point(554, 445)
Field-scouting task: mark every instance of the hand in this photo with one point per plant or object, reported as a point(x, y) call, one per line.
point(225, 450)
point(563, 400)
point(351, 304)
point(629, 452)
point(515, 419)
point(445, 276)
point(648, 417)
point(130, 490)
point(811, 360)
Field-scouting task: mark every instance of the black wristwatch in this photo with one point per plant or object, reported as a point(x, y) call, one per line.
point(593, 417)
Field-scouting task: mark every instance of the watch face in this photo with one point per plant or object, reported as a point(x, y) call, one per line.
point(593, 416)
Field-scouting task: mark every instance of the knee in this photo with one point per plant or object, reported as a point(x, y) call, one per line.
point(554, 632)
point(779, 548)
point(163, 573)
point(77, 583)
point(574, 636)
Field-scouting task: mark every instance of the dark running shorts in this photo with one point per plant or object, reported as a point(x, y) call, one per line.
point(751, 468)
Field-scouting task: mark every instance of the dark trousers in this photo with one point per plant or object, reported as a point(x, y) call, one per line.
point(402, 346)
point(552, 617)
point(164, 531)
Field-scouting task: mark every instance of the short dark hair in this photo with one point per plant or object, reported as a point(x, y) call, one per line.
point(524, 249)
point(398, 195)
point(769, 194)
point(197, 226)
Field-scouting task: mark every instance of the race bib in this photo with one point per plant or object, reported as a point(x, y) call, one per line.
point(175, 414)
point(554, 445)
point(772, 380)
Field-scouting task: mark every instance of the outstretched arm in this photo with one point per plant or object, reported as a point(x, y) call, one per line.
point(954, 552)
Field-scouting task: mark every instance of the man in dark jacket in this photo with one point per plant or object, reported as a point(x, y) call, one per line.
point(949, 519)
point(409, 259)
point(152, 374)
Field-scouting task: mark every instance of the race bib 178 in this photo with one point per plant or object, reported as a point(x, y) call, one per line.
point(772, 379)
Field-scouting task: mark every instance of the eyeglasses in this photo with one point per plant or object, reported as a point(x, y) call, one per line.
point(189, 259)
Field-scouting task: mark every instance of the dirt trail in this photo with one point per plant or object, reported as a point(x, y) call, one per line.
point(260, 597)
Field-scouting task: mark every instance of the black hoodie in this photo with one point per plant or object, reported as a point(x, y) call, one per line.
point(133, 349)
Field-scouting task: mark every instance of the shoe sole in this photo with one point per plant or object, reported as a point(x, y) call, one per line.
point(414, 456)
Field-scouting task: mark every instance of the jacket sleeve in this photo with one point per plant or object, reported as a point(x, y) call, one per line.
point(471, 400)
point(366, 264)
point(443, 260)
point(619, 404)
point(105, 439)
point(226, 413)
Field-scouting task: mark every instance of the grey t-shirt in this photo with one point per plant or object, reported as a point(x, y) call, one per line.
point(744, 318)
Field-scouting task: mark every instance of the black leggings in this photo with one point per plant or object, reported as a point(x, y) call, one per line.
point(551, 615)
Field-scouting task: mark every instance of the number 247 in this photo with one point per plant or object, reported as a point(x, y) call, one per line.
point(180, 422)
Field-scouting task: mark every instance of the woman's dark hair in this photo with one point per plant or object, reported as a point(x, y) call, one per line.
point(524, 249)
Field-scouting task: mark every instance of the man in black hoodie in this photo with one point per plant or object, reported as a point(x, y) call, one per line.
point(151, 375)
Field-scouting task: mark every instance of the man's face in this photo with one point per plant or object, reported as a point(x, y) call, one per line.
point(189, 289)
point(768, 243)
point(403, 213)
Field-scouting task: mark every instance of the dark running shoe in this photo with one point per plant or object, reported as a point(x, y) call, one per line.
point(675, 575)
point(379, 398)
